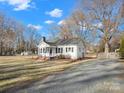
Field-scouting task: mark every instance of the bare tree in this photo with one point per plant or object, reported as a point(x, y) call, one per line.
point(53, 32)
point(75, 26)
point(80, 25)
point(2, 33)
point(105, 16)
point(11, 35)
point(33, 39)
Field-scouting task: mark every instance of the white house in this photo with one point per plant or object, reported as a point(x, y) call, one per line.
point(69, 48)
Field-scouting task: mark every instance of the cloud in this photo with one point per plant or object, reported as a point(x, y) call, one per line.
point(49, 22)
point(100, 25)
point(34, 27)
point(62, 22)
point(55, 13)
point(19, 4)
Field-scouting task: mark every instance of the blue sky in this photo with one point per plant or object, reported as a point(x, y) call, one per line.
point(38, 13)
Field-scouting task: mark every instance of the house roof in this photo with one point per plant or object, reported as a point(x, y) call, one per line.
point(73, 41)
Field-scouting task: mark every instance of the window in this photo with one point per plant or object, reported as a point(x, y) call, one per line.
point(44, 50)
point(56, 50)
point(80, 49)
point(72, 49)
point(66, 49)
point(47, 49)
point(69, 49)
point(50, 50)
point(61, 50)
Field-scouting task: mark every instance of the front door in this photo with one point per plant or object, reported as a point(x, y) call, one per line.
point(50, 51)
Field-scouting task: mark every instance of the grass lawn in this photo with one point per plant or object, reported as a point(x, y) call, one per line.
point(17, 71)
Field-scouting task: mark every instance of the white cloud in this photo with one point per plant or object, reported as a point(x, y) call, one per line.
point(55, 13)
point(18, 4)
point(49, 22)
point(62, 22)
point(34, 27)
point(100, 25)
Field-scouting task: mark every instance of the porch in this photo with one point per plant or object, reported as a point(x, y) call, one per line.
point(50, 51)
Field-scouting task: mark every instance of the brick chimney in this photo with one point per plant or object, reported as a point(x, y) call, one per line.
point(43, 39)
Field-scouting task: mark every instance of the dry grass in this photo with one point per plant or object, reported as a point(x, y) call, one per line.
point(16, 70)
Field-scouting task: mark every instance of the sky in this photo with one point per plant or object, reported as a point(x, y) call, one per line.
point(39, 14)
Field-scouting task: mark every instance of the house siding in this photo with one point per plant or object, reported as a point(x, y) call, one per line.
point(69, 53)
point(80, 51)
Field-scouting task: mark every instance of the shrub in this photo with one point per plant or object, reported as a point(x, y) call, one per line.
point(121, 50)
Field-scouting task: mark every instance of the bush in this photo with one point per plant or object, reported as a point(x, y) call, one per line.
point(121, 50)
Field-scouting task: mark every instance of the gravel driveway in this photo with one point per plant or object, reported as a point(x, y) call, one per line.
point(101, 76)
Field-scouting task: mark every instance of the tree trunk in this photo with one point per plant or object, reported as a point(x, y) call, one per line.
point(1, 46)
point(106, 49)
